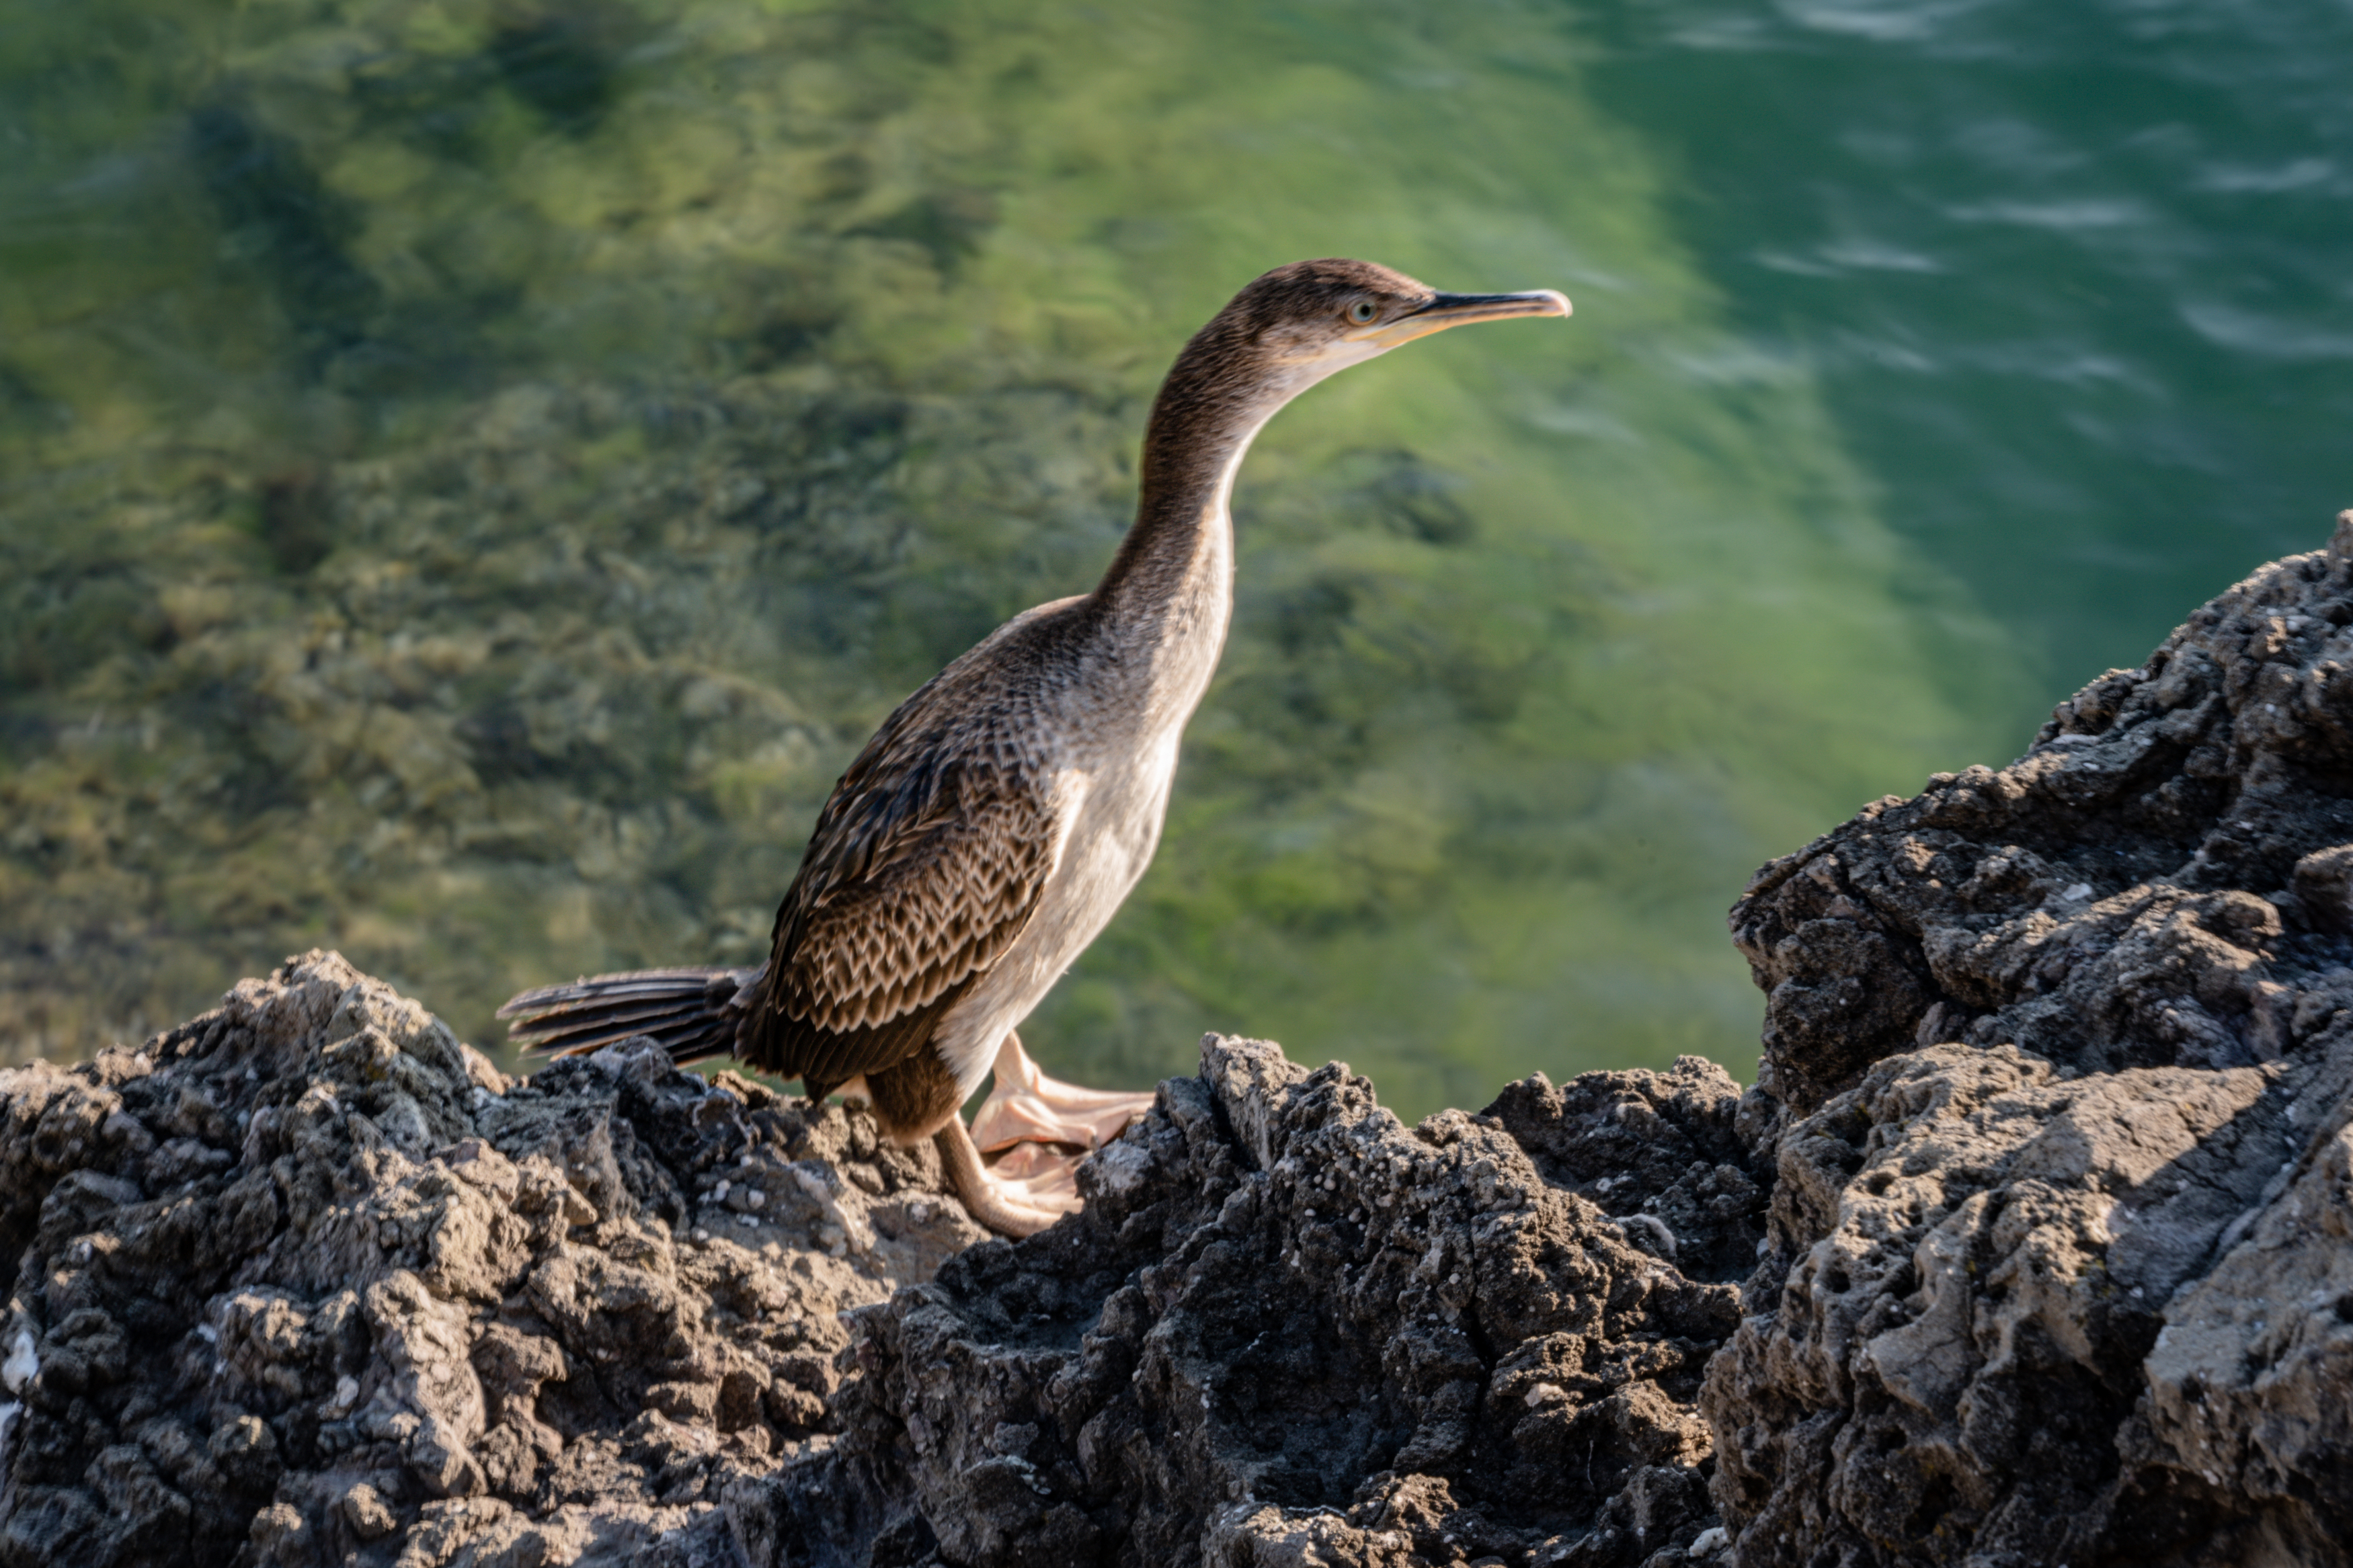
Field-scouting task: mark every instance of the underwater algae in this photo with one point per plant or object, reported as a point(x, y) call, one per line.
point(473, 476)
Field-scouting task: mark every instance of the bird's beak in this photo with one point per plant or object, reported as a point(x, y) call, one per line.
point(1445, 310)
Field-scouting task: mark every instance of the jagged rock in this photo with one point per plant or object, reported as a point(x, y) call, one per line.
point(2059, 1068)
point(305, 1281)
point(2033, 1244)
point(2161, 880)
point(1288, 1330)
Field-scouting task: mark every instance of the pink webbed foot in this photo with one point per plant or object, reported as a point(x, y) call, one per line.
point(1007, 1207)
point(1033, 1130)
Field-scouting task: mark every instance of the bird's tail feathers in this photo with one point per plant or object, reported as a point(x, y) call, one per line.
point(690, 1013)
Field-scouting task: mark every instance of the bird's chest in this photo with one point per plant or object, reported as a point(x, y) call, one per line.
point(1117, 757)
point(1114, 803)
point(1107, 739)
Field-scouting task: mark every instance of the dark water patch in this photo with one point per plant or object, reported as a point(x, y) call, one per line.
point(278, 217)
point(1311, 617)
point(784, 336)
point(24, 734)
point(56, 625)
point(562, 65)
point(295, 513)
point(1408, 495)
point(24, 406)
point(946, 225)
point(498, 742)
point(853, 428)
point(434, 104)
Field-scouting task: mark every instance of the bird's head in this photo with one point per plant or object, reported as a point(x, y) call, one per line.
point(1300, 323)
point(1281, 335)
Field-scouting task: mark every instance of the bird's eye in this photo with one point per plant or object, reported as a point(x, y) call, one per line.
point(1362, 310)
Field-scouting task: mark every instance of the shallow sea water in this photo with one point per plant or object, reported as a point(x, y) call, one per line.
point(472, 473)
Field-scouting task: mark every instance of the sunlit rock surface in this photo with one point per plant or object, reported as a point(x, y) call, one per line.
point(1288, 1329)
point(304, 1280)
point(2078, 1287)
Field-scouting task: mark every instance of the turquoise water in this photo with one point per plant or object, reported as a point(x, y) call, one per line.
point(2076, 281)
point(471, 473)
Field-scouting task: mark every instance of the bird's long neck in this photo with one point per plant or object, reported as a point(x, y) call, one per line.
point(1173, 577)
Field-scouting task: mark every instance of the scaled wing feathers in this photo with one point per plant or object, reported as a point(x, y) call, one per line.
point(926, 864)
point(936, 899)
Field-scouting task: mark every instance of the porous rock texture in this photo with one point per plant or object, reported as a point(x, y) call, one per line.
point(1287, 1329)
point(2033, 1244)
point(2059, 1063)
point(306, 1281)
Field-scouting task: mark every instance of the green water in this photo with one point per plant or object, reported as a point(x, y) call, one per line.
point(472, 473)
point(2074, 281)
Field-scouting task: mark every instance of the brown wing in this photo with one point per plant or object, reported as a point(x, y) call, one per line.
point(927, 863)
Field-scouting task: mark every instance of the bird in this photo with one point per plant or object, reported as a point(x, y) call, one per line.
point(995, 822)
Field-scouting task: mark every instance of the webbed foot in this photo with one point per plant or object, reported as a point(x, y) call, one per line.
point(1028, 1138)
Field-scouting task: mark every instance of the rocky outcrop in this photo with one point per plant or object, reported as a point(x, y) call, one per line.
point(306, 1281)
point(2061, 1058)
point(2162, 881)
point(1288, 1330)
point(2033, 1244)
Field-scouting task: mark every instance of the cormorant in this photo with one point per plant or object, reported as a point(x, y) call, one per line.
point(995, 822)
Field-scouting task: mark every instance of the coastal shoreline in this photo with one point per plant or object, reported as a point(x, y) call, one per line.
point(2030, 1244)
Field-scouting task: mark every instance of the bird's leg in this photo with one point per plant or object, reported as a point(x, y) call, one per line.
point(1038, 1131)
point(918, 1099)
point(997, 1203)
point(1025, 1106)
point(1033, 1131)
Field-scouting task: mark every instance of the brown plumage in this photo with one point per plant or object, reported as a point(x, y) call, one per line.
point(997, 820)
point(927, 863)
